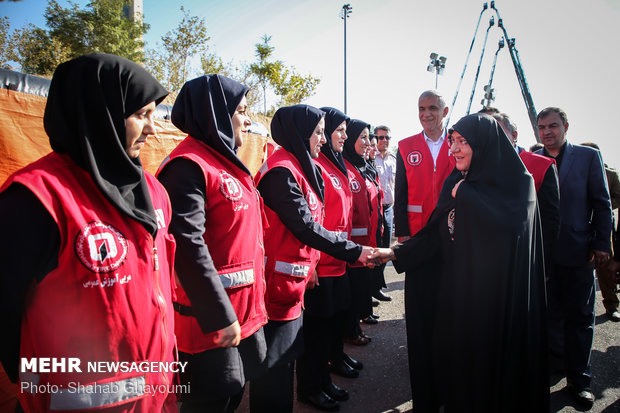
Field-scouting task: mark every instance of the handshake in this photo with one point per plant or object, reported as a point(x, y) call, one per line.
point(373, 257)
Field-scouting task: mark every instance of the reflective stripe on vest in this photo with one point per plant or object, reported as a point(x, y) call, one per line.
point(236, 278)
point(414, 208)
point(98, 395)
point(343, 234)
point(359, 232)
point(296, 270)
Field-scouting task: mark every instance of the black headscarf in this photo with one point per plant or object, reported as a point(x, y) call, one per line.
point(89, 99)
point(354, 130)
point(292, 127)
point(333, 119)
point(495, 170)
point(204, 110)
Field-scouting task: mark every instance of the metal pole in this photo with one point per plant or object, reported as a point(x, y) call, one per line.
point(471, 46)
point(345, 59)
point(525, 91)
point(484, 45)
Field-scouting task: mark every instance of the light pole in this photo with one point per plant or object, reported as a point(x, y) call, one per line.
point(437, 65)
point(344, 15)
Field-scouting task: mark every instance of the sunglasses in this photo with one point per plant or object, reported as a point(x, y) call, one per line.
point(384, 137)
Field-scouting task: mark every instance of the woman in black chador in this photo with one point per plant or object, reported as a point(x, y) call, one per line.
point(484, 248)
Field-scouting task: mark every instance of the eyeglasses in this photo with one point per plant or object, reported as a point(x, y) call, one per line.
point(384, 137)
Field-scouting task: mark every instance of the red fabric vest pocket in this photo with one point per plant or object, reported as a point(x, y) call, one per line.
point(289, 282)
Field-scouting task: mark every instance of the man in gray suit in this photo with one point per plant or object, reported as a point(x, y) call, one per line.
point(583, 244)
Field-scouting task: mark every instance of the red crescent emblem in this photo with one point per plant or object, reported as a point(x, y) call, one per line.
point(230, 187)
point(335, 181)
point(313, 203)
point(414, 158)
point(101, 247)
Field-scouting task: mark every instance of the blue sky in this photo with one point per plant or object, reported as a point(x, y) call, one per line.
point(568, 50)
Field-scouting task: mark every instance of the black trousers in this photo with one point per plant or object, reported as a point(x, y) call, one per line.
point(571, 299)
point(322, 343)
point(273, 392)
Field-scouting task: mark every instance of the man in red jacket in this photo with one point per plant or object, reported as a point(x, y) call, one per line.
point(423, 162)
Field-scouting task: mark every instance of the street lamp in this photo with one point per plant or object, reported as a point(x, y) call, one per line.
point(344, 15)
point(437, 65)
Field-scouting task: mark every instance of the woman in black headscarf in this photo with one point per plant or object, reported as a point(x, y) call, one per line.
point(364, 226)
point(377, 279)
point(85, 240)
point(293, 191)
point(217, 222)
point(328, 302)
point(484, 242)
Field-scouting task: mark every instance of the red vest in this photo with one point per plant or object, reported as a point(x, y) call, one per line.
point(376, 197)
point(424, 178)
point(288, 261)
point(537, 165)
point(109, 299)
point(362, 227)
point(338, 213)
point(234, 236)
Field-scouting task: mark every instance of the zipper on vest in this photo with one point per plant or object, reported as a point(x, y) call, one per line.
point(162, 308)
point(155, 259)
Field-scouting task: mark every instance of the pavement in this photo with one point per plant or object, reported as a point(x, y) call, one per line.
point(383, 384)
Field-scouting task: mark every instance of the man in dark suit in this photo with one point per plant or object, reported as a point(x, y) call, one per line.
point(583, 244)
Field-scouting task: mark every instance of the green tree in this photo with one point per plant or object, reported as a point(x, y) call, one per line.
point(101, 27)
point(265, 70)
point(170, 64)
point(293, 88)
point(213, 64)
point(5, 46)
point(37, 52)
point(289, 86)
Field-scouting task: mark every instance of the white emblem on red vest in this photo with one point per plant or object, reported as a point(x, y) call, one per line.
point(101, 247)
point(335, 181)
point(355, 186)
point(414, 158)
point(313, 203)
point(369, 186)
point(230, 187)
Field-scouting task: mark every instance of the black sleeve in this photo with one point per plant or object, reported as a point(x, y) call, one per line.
point(30, 244)
point(423, 247)
point(282, 195)
point(401, 222)
point(184, 181)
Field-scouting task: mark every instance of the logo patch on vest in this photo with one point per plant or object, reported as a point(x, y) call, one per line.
point(335, 181)
point(230, 187)
point(313, 203)
point(355, 186)
point(369, 186)
point(101, 247)
point(414, 158)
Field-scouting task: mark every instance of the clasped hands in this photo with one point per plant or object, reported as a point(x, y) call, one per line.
point(370, 257)
point(373, 257)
